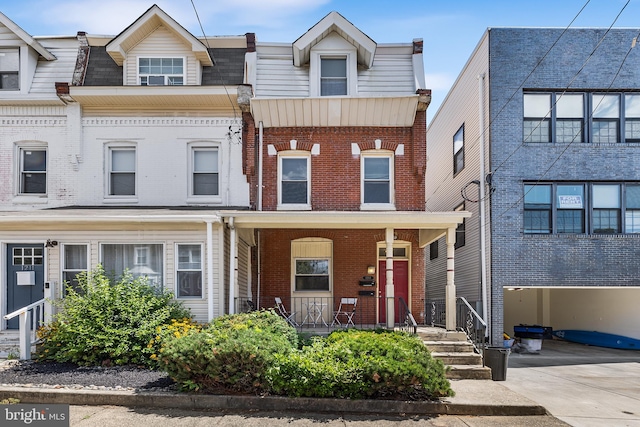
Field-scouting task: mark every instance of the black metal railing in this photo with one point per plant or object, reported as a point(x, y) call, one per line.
point(467, 319)
point(318, 314)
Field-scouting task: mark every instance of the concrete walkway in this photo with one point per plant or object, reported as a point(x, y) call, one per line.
point(582, 385)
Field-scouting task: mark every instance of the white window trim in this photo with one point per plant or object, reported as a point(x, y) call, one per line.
point(294, 154)
point(135, 243)
point(119, 198)
point(30, 197)
point(378, 206)
point(62, 263)
point(199, 199)
point(183, 75)
point(333, 47)
point(176, 265)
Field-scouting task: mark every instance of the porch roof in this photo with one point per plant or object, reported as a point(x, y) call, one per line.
point(432, 225)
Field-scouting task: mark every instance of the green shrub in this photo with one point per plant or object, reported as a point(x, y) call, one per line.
point(230, 355)
point(361, 364)
point(105, 323)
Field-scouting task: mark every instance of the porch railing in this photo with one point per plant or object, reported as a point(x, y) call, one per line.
point(31, 317)
point(467, 319)
point(316, 314)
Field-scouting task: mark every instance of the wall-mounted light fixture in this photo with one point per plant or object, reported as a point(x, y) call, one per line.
point(51, 243)
point(371, 270)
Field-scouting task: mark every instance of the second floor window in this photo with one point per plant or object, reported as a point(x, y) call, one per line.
point(205, 172)
point(377, 183)
point(294, 181)
point(333, 76)
point(458, 150)
point(596, 208)
point(122, 172)
point(161, 71)
point(9, 69)
point(33, 171)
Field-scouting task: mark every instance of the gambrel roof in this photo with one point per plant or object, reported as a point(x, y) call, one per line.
point(334, 22)
point(146, 24)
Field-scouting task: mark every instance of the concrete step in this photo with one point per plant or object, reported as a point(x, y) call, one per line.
point(449, 346)
point(458, 358)
point(469, 372)
point(433, 334)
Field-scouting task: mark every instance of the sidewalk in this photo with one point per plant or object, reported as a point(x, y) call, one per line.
point(473, 397)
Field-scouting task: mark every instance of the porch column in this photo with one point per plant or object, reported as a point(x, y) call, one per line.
point(450, 290)
point(209, 251)
point(389, 289)
point(233, 266)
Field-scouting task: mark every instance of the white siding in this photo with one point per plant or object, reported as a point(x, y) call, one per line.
point(94, 238)
point(276, 75)
point(161, 43)
point(7, 35)
point(59, 70)
point(460, 107)
point(391, 74)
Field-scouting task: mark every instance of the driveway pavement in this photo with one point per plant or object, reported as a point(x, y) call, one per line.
point(582, 385)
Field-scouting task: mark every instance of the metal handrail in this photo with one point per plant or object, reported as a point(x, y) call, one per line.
point(409, 321)
point(27, 339)
point(472, 324)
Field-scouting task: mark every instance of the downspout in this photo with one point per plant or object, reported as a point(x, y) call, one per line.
point(259, 273)
point(483, 231)
point(233, 265)
point(260, 151)
point(209, 269)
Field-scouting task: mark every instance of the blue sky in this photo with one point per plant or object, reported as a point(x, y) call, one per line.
point(450, 28)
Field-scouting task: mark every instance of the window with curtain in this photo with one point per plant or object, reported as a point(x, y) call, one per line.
point(141, 260)
point(75, 261)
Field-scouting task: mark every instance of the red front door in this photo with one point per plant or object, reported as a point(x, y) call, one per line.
point(400, 284)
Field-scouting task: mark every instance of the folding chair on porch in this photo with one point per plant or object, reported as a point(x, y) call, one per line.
point(284, 313)
point(346, 311)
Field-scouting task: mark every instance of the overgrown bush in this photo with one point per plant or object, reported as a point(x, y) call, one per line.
point(230, 355)
point(361, 364)
point(101, 322)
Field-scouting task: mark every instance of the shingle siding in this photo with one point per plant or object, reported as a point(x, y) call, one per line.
point(101, 69)
point(228, 68)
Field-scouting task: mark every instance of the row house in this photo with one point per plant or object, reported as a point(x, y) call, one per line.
point(547, 122)
point(229, 171)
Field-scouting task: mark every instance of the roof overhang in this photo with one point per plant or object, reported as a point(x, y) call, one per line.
point(389, 111)
point(153, 18)
point(19, 32)
point(432, 225)
point(178, 97)
point(106, 219)
point(334, 22)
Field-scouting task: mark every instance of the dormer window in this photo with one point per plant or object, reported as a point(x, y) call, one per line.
point(333, 76)
point(9, 69)
point(161, 71)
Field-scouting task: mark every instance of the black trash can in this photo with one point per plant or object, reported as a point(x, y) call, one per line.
point(497, 358)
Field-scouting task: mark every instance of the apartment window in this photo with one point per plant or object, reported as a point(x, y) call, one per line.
point(75, 261)
point(140, 260)
point(433, 250)
point(312, 275)
point(377, 179)
point(9, 69)
point(537, 208)
point(33, 171)
point(189, 271)
point(205, 181)
point(461, 238)
point(161, 71)
point(570, 213)
point(606, 118)
point(294, 181)
point(632, 211)
point(458, 150)
point(606, 209)
point(333, 76)
point(122, 171)
point(537, 113)
point(569, 118)
point(632, 118)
